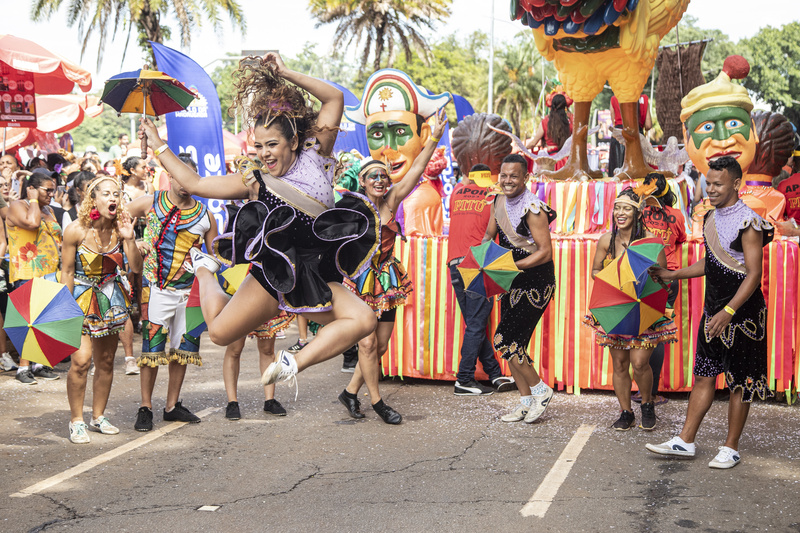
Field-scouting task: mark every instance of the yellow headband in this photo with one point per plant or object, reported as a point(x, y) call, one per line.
point(627, 200)
point(100, 180)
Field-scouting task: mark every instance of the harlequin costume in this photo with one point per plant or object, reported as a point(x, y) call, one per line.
point(740, 352)
point(384, 285)
point(294, 237)
point(171, 233)
point(523, 305)
point(101, 290)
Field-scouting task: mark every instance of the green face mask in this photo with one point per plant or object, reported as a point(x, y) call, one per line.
point(391, 133)
point(718, 123)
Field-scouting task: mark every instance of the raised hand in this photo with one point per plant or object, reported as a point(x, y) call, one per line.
point(441, 122)
point(275, 57)
point(146, 127)
point(125, 226)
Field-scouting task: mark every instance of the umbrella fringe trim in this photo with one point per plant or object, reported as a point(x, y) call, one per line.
point(183, 357)
point(664, 332)
point(152, 359)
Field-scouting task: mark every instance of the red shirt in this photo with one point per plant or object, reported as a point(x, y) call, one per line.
point(670, 225)
point(644, 101)
point(791, 190)
point(469, 217)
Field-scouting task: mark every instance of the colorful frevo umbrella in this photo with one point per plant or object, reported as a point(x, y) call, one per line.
point(43, 321)
point(147, 92)
point(625, 299)
point(195, 323)
point(488, 269)
point(232, 277)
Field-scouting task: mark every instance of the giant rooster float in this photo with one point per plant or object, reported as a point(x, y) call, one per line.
point(594, 41)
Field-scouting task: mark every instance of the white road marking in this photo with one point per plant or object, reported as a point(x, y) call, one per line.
point(546, 493)
point(105, 457)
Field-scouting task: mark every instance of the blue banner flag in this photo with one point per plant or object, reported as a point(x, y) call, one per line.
point(196, 130)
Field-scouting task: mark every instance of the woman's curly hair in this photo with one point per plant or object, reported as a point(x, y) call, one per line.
point(89, 203)
point(265, 98)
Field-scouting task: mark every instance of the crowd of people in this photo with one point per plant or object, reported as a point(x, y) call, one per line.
point(132, 252)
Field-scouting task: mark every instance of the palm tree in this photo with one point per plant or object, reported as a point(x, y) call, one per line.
point(383, 25)
point(518, 82)
point(105, 17)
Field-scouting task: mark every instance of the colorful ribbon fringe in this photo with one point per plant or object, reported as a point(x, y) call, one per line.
point(427, 339)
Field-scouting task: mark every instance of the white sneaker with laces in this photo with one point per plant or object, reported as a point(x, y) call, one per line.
point(200, 259)
point(516, 415)
point(538, 406)
point(283, 369)
point(7, 363)
point(78, 433)
point(131, 368)
point(674, 446)
point(726, 458)
point(102, 425)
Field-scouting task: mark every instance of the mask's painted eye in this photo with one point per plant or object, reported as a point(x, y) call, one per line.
point(734, 123)
point(706, 127)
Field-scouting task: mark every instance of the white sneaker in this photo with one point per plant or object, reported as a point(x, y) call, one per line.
point(78, 433)
point(516, 415)
point(7, 363)
point(102, 425)
point(726, 458)
point(283, 369)
point(131, 368)
point(200, 259)
point(91, 370)
point(674, 446)
point(538, 406)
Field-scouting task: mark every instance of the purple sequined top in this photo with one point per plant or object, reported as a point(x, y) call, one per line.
point(312, 173)
point(731, 220)
point(519, 205)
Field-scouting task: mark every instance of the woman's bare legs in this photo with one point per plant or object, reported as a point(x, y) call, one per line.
point(348, 322)
point(266, 356)
point(368, 367)
point(250, 307)
point(622, 360)
point(230, 368)
point(104, 349)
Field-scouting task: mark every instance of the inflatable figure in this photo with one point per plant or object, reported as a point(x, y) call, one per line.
point(593, 41)
point(394, 111)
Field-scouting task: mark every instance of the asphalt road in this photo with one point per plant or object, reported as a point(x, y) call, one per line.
point(451, 466)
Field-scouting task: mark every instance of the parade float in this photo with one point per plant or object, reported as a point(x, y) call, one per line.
point(591, 43)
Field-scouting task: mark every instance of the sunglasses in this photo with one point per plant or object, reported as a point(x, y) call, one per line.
point(48, 190)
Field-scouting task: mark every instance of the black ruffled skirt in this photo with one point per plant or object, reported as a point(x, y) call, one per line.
point(295, 256)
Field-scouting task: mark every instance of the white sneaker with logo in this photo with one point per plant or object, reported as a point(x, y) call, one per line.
point(538, 406)
point(78, 433)
point(726, 458)
point(283, 369)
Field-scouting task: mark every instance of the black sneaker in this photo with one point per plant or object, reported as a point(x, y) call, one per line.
point(46, 373)
point(389, 415)
point(648, 422)
point(274, 407)
point(472, 388)
point(232, 411)
point(625, 421)
point(503, 384)
point(296, 347)
point(180, 414)
point(26, 378)
point(144, 420)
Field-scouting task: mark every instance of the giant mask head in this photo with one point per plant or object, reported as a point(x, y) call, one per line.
point(394, 111)
point(716, 119)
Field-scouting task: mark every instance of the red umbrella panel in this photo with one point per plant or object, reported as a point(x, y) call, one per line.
point(52, 74)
